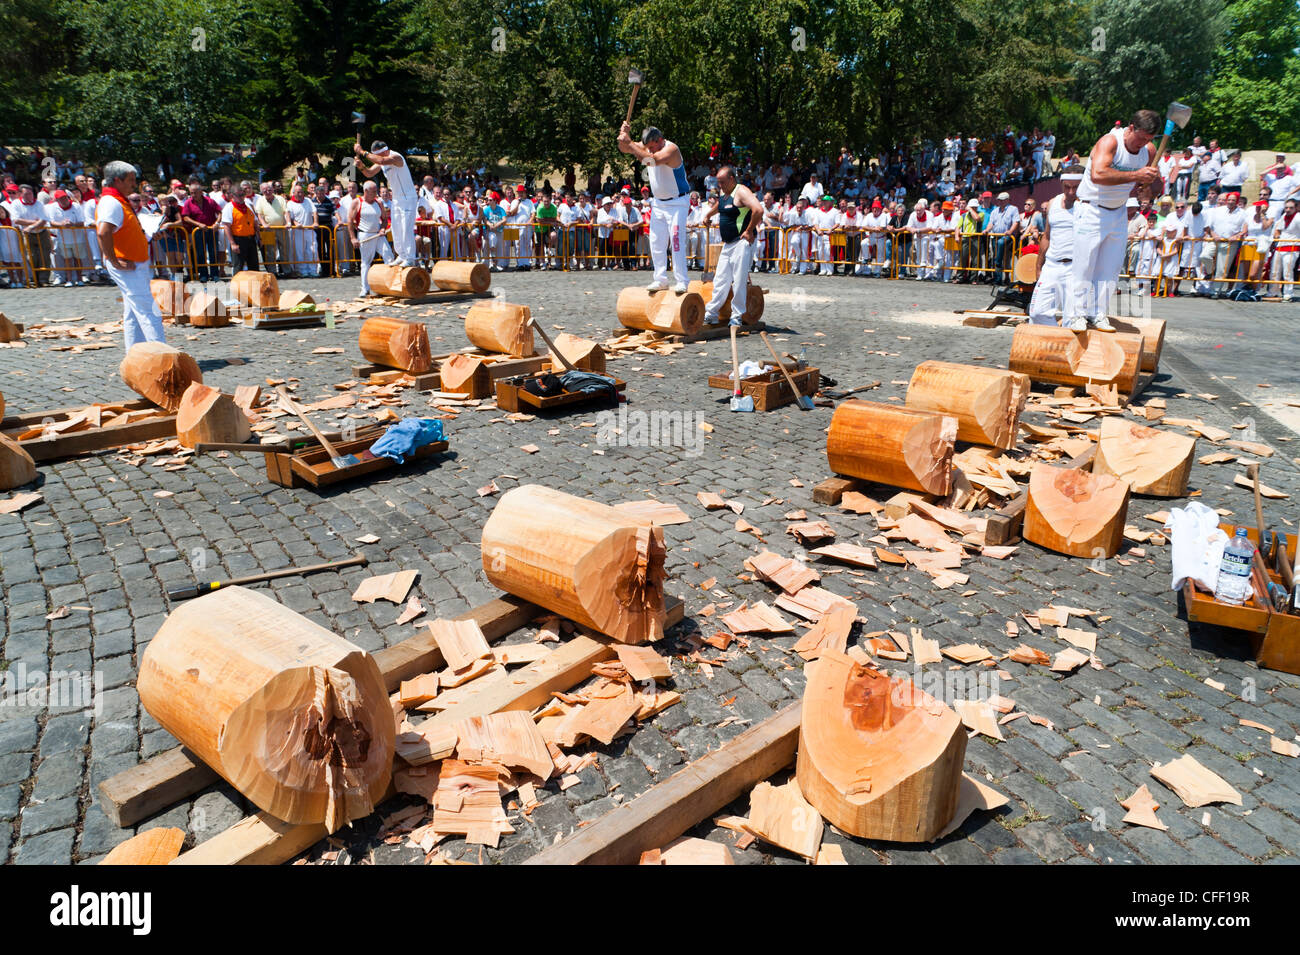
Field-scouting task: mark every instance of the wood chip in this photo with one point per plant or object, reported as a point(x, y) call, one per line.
point(848, 554)
point(1083, 639)
point(16, 503)
point(1285, 747)
point(643, 663)
point(1069, 660)
point(391, 587)
point(966, 653)
point(978, 716)
point(1029, 656)
point(656, 512)
point(413, 609)
point(1194, 784)
point(781, 816)
point(1142, 808)
point(461, 641)
point(1264, 490)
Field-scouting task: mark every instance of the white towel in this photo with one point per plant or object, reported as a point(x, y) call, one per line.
point(1196, 545)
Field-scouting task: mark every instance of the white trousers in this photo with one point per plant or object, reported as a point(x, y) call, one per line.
point(731, 277)
point(369, 247)
point(524, 245)
point(668, 234)
point(141, 320)
point(404, 230)
point(872, 254)
point(1100, 236)
point(1050, 293)
point(822, 253)
point(1283, 270)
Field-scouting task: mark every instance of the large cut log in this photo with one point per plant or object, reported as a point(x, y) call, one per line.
point(1063, 357)
point(754, 301)
point(292, 716)
point(292, 298)
point(664, 311)
point(255, 288)
point(985, 401)
point(501, 327)
point(894, 446)
point(170, 295)
point(398, 281)
point(1151, 461)
point(878, 757)
point(1075, 512)
point(16, 465)
point(582, 353)
point(159, 372)
point(207, 311)
point(396, 344)
point(207, 415)
point(1152, 331)
point(463, 375)
point(581, 559)
point(452, 276)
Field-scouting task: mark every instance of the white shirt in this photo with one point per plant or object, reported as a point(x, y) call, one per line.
point(604, 220)
point(812, 191)
point(1284, 187)
point(60, 216)
point(371, 222)
point(399, 180)
point(20, 210)
point(1233, 175)
point(1060, 230)
point(1227, 224)
point(826, 219)
point(1289, 233)
point(793, 217)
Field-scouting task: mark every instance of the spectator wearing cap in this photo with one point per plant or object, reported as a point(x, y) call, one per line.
point(812, 189)
point(873, 254)
point(1210, 168)
point(970, 227)
point(849, 226)
point(946, 242)
point(200, 214)
point(520, 210)
point(604, 225)
point(823, 220)
point(1255, 247)
point(1004, 225)
point(1282, 183)
point(546, 233)
point(494, 222)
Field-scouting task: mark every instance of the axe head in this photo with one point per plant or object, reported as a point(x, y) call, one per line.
point(358, 118)
point(634, 76)
point(1178, 114)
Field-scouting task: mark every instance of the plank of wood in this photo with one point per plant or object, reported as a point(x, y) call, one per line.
point(150, 787)
point(664, 812)
point(34, 419)
point(833, 489)
point(100, 439)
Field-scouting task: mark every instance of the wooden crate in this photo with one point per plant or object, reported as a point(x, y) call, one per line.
point(312, 467)
point(511, 395)
point(770, 389)
point(1274, 637)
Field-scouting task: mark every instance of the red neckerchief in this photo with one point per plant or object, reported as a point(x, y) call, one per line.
point(292, 199)
point(115, 194)
point(1287, 218)
point(920, 217)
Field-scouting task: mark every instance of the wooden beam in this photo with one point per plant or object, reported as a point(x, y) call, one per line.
point(1004, 526)
point(100, 439)
point(688, 797)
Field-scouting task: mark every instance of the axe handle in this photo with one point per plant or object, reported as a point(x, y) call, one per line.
point(632, 102)
point(1164, 144)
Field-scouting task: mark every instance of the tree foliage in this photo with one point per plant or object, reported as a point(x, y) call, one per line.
point(1254, 98)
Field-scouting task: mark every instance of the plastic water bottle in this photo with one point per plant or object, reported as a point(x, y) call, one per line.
point(1234, 570)
point(803, 357)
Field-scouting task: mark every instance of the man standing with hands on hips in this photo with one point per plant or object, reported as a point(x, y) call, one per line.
point(1119, 161)
point(739, 212)
point(125, 250)
point(669, 205)
point(398, 174)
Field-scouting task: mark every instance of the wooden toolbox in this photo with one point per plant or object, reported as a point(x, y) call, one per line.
point(770, 389)
point(511, 395)
point(1274, 636)
point(312, 467)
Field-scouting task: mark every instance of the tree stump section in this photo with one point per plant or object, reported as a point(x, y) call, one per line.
point(452, 276)
point(398, 282)
point(16, 465)
point(582, 353)
point(878, 757)
point(986, 402)
point(395, 343)
point(894, 446)
point(754, 301)
point(463, 375)
point(207, 311)
point(665, 311)
point(1152, 331)
point(1063, 357)
point(501, 327)
point(208, 416)
point(259, 288)
point(292, 716)
point(1075, 512)
point(169, 295)
point(578, 558)
point(1151, 461)
point(160, 373)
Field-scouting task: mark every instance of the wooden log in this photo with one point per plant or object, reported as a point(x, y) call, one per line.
point(985, 401)
point(664, 311)
point(397, 281)
point(584, 560)
point(1004, 525)
point(207, 311)
point(255, 288)
point(159, 372)
point(754, 301)
point(292, 716)
point(208, 415)
point(170, 296)
point(453, 276)
point(1063, 357)
point(16, 465)
point(895, 446)
point(396, 344)
point(1075, 512)
point(581, 352)
point(463, 375)
point(292, 298)
point(1152, 331)
point(1151, 461)
point(878, 757)
point(500, 327)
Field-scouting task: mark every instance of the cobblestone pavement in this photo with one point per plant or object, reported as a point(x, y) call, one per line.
point(102, 539)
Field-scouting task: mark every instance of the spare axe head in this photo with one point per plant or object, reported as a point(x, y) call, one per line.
point(634, 76)
point(1177, 115)
point(358, 118)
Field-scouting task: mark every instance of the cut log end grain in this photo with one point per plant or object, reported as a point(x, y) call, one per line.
point(292, 716)
point(986, 402)
point(169, 295)
point(582, 353)
point(457, 373)
point(1060, 356)
point(581, 559)
point(755, 302)
point(398, 281)
point(1152, 332)
point(160, 373)
point(207, 311)
point(453, 276)
point(255, 288)
point(1075, 512)
point(501, 327)
point(16, 465)
point(895, 446)
point(878, 757)
point(665, 311)
point(395, 343)
point(1152, 461)
point(207, 415)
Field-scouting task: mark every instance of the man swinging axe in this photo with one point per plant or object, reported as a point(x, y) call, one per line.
point(739, 212)
point(669, 203)
point(398, 174)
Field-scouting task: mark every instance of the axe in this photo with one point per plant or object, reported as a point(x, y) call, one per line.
point(358, 120)
point(633, 77)
point(1176, 115)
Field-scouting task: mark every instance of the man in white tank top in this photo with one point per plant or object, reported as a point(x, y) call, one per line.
point(366, 226)
point(1118, 161)
point(398, 174)
point(1056, 252)
point(669, 205)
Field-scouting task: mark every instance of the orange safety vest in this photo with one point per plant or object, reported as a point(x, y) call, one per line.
point(128, 241)
point(241, 218)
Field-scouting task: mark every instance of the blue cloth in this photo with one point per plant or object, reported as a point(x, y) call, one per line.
point(588, 383)
point(401, 440)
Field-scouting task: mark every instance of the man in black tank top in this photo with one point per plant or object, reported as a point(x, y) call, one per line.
point(739, 213)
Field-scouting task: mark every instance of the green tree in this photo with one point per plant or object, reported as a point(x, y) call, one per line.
point(26, 70)
point(1254, 99)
